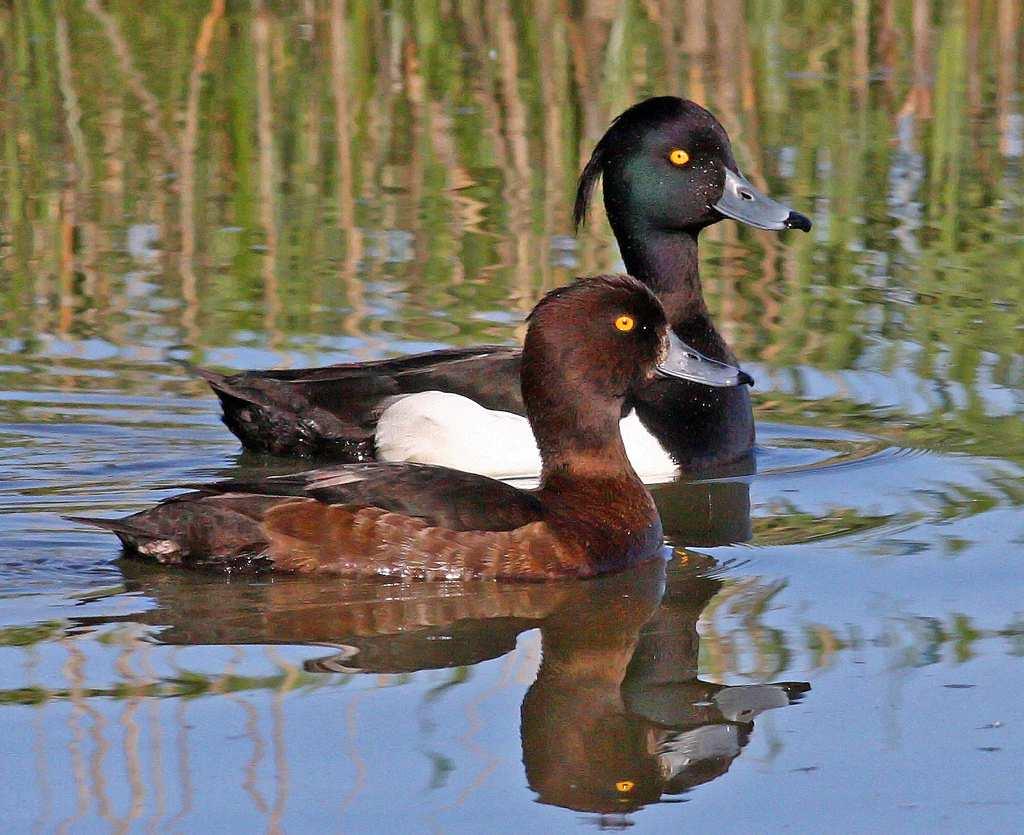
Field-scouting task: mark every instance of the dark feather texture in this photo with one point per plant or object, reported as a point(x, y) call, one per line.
point(623, 136)
point(438, 496)
point(333, 411)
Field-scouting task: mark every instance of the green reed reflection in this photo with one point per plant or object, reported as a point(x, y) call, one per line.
point(352, 168)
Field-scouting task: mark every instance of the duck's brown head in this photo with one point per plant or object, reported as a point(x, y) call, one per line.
point(600, 335)
point(588, 344)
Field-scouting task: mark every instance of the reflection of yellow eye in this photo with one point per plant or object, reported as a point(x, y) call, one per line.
point(625, 323)
point(624, 785)
point(678, 156)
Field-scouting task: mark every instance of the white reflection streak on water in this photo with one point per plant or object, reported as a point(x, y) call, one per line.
point(291, 675)
point(130, 737)
point(72, 670)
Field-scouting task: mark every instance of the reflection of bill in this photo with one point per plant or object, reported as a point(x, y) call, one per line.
point(645, 726)
point(616, 718)
point(699, 727)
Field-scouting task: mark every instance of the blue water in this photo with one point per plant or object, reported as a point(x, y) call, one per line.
point(837, 643)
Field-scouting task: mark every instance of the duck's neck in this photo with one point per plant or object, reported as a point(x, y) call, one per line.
point(666, 261)
point(579, 440)
point(578, 463)
point(588, 472)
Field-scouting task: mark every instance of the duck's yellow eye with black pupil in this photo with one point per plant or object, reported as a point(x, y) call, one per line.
point(625, 323)
point(677, 156)
point(625, 785)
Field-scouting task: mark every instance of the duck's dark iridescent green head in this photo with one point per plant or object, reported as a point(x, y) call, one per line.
point(668, 165)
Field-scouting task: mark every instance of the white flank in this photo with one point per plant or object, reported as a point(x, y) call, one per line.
point(450, 430)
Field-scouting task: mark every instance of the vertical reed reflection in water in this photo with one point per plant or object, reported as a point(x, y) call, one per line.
point(475, 723)
point(900, 121)
point(920, 100)
point(1011, 129)
point(277, 718)
point(182, 726)
point(45, 799)
point(136, 81)
point(268, 188)
point(184, 771)
point(250, 783)
point(100, 747)
point(73, 672)
point(77, 178)
point(346, 187)
point(154, 725)
point(187, 170)
point(351, 749)
point(554, 99)
point(130, 733)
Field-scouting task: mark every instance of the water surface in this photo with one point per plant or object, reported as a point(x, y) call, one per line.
point(838, 637)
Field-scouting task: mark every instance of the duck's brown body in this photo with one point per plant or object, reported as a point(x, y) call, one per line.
point(623, 529)
point(575, 527)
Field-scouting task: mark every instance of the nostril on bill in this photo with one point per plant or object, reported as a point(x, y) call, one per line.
point(795, 220)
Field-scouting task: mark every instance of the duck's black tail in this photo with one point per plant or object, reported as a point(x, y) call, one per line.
point(195, 529)
point(136, 539)
point(275, 413)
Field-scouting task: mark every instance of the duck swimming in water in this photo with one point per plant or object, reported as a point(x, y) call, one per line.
point(668, 172)
point(588, 348)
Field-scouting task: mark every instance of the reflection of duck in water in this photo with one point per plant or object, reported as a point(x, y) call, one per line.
point(616, 718)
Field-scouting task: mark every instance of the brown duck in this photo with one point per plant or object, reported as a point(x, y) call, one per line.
point(588, 347)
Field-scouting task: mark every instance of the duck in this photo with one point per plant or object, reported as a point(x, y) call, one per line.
point(669, 172)
point(588, 347)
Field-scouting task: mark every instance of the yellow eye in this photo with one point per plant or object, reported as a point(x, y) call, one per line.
point(677, 156)
point(624, 785)
point(625, 323)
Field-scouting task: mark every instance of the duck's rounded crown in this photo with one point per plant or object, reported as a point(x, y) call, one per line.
point(667, 164)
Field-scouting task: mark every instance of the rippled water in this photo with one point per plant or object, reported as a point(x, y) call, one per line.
point(840, 636)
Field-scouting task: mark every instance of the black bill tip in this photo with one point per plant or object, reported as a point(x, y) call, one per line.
point(795, 220)
point(746, 379)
